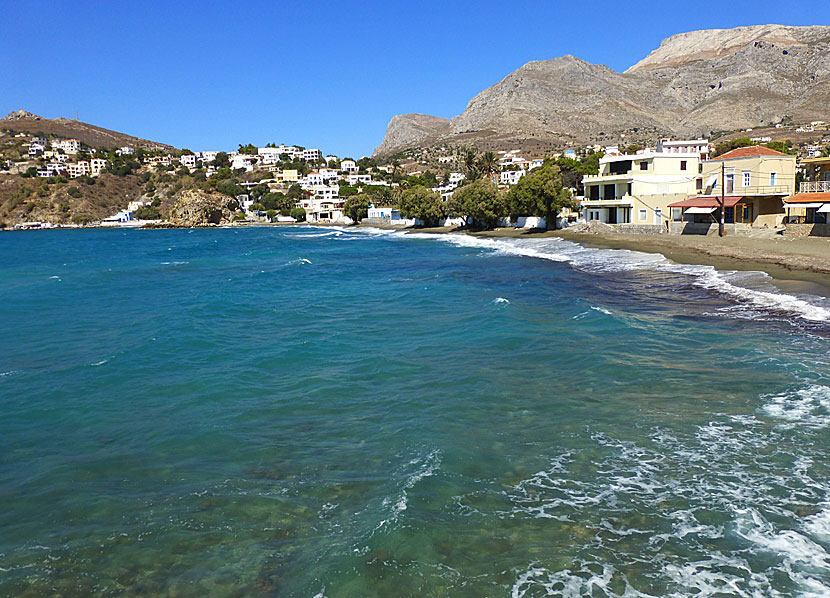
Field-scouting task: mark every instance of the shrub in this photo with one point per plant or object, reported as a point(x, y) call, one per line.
point(298, 214)
point(147, 213)
point(82, 218)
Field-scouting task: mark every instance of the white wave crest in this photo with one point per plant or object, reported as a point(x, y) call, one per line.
point(425, 467)
point(809, 406)
point(500, 300)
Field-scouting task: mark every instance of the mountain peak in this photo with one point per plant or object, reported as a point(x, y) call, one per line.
point(21, 114)
point(709, 44)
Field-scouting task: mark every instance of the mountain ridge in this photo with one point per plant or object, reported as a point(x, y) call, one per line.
point(694, 83)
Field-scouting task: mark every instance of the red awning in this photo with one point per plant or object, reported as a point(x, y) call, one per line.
point(808, 198)
point(707, 201)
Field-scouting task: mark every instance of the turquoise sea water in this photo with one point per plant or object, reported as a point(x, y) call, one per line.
point(323, 412)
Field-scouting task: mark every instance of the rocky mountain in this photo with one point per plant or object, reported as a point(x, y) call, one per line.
point(407, 129)
point(20, 121)
point(694, 84)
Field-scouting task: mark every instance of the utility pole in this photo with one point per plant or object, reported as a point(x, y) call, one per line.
point(721, 227)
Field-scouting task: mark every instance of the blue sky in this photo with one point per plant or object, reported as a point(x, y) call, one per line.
point(211, 75)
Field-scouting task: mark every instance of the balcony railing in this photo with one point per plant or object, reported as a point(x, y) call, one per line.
point(814, 187)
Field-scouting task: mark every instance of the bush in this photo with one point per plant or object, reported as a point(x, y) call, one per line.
point(147, 213)
point(297, 214)
point(74, 192)
point(82, 218)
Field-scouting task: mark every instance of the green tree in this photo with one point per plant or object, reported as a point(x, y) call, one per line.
point(539, 193)
point(347, 191)
point(479, 201)
point(220, 160)
point(297, 214)
point(249, 149)
point(74, 192)
point(356, 207)
point(271, 214)
point(781, 146)
point(295, 192)
point(147, 213)
point(423, 204)
point(472, 168)
point(489, 163)
point(229, 188)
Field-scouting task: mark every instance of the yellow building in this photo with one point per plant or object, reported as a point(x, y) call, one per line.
point(290, 176)
point(638, 188)
point(754, 181)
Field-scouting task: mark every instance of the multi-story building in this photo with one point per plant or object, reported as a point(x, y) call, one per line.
point(188, 160)
point(69, 146)
point(97, 166)
point(811, 204)
point(328, 174)
point(349, 166)
point(310, 155)
point(752, 182)
point(511, 177)
point(77, 169)
point(638, 188)
point(692, 146)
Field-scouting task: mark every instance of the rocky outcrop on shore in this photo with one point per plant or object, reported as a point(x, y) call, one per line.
point(194, 207)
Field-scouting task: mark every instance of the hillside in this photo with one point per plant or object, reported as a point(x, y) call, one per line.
point(27, 200)
point(21, 121)
point(693, 84)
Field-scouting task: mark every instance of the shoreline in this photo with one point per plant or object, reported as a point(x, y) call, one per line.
point(796, 265)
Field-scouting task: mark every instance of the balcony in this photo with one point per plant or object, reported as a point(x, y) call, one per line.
point(814, 187)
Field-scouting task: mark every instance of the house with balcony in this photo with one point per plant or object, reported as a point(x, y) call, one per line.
point(638, 188)
point(752, 181)
point(811, 203)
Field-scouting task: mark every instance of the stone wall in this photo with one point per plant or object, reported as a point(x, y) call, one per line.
point(640, 229)
point(694, 228)
point(807, 230)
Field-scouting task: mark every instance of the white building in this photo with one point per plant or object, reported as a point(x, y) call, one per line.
point(97, 166)
point(311, 179)
point(328, 174)
point(188, 160)
point(691, 146)
point(207, 157)
point(331, 158)
point(311, 155)
point(244, 161)
point(457, 177)
point(125, 151)
point(355, 179)
point(69, 146)
point(348, 166)
point(511, 177)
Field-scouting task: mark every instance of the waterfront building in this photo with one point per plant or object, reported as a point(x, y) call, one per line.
point(754, 182)
point(638, 188)
point(811, 203)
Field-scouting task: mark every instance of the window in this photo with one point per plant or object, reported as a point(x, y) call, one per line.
point(643, 165)
point(683, 165)
point(746, 178)
point(642, 216)
point(772, 179)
